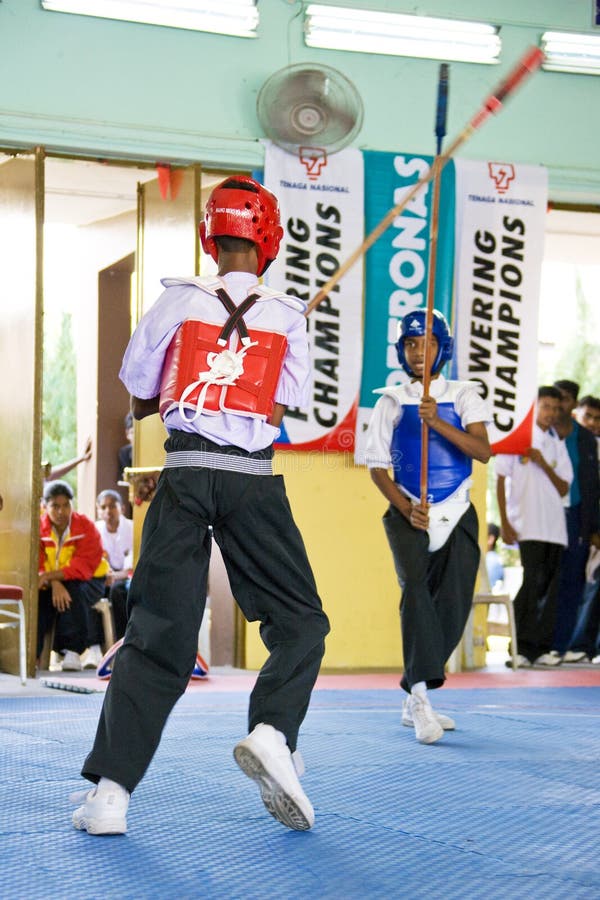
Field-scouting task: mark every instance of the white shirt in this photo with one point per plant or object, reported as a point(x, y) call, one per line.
point(534, 507)
point(118, 544)
point(145, 355)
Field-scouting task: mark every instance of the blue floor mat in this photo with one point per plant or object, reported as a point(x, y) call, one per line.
point(506, 805)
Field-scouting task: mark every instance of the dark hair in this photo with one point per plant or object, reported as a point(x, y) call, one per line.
point(588, 400)
point(548, 390)
point(493, 529)
point(569, 387)
point(231, 244)
point(108, 493)
point(238, 185)
point(58, 489)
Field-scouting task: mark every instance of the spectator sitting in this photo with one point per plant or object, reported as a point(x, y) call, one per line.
point(72, 572)
point(493, 563)
point(116, 532)
point(125, 454)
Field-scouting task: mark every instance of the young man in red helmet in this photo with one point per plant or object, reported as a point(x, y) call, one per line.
point(220, 357)
point(435, 550)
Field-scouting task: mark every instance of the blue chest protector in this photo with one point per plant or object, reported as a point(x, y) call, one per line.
point(448, 466)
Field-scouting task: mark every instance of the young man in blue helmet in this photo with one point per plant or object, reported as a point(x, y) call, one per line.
point(435, 549)
point(220, 358)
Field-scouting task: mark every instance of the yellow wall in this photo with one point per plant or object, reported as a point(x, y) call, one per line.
point(338, 511)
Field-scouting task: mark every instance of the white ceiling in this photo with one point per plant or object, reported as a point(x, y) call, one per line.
point(79, 192)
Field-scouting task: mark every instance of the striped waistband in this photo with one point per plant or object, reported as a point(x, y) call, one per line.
point(227, 462)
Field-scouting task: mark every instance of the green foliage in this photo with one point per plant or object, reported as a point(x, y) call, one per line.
point(59, 417)
point(578, 358)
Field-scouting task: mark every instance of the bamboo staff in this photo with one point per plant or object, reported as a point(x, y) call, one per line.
point(440, 131)
point(529, 63)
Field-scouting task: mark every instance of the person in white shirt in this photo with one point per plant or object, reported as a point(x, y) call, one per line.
point(116, 532)
point(530, 491)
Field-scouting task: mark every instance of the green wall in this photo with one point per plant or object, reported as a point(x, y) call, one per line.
point(91, 86)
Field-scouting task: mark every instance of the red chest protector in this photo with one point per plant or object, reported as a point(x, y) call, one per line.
point(212, 369)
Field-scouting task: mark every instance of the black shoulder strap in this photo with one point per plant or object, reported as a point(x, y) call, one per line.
point(236, 314)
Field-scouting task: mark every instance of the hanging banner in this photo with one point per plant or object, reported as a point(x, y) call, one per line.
point(321, 201)
point(500, 221)
point(397, 267)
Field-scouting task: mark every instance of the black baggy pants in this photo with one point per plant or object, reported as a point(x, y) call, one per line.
point(535, 603)
point(437, 593)
point(270, 578)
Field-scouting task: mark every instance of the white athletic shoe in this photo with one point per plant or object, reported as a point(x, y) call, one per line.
point(446, 722)
point(548, 659)
point(71, 661)
point(92, 657)
point(104, 809)
point(427, 727)
point(575, 656)
point(265, 757)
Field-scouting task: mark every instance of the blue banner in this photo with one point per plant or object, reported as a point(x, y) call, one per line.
point(396, 268)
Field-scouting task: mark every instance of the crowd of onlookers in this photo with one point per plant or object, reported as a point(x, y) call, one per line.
point(80, 563)
point(548, 501)
point(549, 505)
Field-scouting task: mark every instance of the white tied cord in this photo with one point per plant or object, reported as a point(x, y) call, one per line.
point(225, 368)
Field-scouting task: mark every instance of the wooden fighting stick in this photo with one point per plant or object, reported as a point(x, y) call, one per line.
point(440, 131)
point(529, 63)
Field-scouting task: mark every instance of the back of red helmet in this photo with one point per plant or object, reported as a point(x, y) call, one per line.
point(240, 207)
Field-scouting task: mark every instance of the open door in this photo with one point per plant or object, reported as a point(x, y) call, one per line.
point(21, 227)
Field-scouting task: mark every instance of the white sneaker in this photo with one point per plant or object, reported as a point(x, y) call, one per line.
point(522, 662)
point(427, 727)
point(446, 722)
point(92, 657)
point(104, 810)
point(548, 659)
point(71, 662)
point(574, 656)
point(596, 660)
point(265, 757)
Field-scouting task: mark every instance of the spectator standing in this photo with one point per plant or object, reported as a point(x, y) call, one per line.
point(586, 636)
point(582, 519)
point(530, 490)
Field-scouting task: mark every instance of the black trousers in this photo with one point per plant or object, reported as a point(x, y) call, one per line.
point(71, 632)
point(270, 578)
point(437, 593)
point(535, 603)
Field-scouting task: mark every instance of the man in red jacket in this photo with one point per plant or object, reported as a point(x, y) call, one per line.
point(72, 574)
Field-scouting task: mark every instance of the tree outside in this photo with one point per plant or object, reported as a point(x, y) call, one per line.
point(59, 415)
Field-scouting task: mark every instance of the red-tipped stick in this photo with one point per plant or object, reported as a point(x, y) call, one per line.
point(527, 65)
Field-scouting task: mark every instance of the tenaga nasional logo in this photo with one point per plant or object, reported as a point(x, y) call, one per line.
point(501, 174)
point(314, 160)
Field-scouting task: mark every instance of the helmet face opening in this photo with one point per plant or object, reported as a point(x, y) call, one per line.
point(414, 325)
point(241, 207)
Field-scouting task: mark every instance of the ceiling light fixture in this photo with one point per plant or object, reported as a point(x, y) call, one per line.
point(568, 52)
point(234, 17)
point(366, 31)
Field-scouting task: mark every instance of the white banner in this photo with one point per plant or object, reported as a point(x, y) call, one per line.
point(321, 201)
point(500, 220)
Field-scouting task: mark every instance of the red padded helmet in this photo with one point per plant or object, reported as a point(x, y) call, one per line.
point(238, 212)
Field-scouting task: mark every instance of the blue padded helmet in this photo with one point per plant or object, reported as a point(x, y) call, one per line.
point(413, 325)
